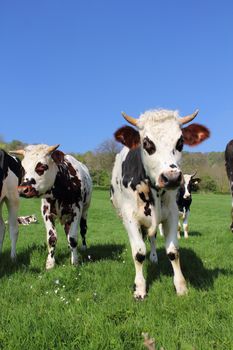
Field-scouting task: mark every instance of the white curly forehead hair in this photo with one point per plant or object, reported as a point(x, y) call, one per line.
point(161, 123)
point(159, 115)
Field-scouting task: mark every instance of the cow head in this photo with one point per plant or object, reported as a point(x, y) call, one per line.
point(40, 169)
point(190, 183)
point(161, 136)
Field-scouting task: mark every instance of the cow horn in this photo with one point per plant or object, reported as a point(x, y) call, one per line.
point(18, 152)
point(188, 118)
point(50, 149)
point(195, 172)
point(129, 119)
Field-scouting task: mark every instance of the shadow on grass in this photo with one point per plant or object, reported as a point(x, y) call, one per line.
point(191, 234)
point(22, 262)
point(192, 267)
point(94, 253)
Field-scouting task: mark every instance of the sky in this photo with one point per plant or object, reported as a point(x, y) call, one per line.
point(69, 67)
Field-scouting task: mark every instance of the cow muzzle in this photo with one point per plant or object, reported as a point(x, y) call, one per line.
point(170, 179)
point(27, 191)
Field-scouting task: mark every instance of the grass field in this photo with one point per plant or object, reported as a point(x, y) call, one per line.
point(91, 307)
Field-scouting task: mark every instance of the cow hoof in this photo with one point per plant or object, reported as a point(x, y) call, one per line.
point(181, 289)
point(14, 258)
point(50, 264)
point(139, 296)
point(154, 258)
point(74, 262)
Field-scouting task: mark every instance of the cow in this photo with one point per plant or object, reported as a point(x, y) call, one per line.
point(25, 220)
point(28, 219)
point(184, 200)
point(65, 186)
point(145, 179)
point(10, 176)
point(229, 170)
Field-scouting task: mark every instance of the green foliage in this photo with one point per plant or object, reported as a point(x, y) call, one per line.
point(91, 307)
point(208, 184)
point(100, 178)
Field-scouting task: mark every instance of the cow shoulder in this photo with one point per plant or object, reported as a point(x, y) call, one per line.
point(15, 166)
point(133, 171)
point(67, 186)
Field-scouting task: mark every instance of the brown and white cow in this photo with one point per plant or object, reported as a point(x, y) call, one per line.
point(10, 175)
point(145, 180)
point(27, 220)
point(65, 186)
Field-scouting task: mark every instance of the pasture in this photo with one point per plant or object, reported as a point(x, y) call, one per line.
point(91, 307)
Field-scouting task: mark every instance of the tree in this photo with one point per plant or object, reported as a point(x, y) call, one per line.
point(208, 184)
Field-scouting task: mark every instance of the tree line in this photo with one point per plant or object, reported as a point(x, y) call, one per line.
point(210, 166)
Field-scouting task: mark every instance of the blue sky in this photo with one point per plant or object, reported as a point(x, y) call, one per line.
point(68, 68)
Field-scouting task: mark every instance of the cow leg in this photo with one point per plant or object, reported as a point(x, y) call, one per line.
point(2, 228)
point(12, 207)
point(51, 232)
point(153, 253)
point(138, 248)
point(171, 241)
point(83, 229)
point(71, 230)
point(179, 230)
point(185, 224)
point(231, 227)
point(161, 230)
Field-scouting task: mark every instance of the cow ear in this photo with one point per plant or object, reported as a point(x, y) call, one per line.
point(128, 136)
point(196, 180)
point(58, 157)
point(194, 134)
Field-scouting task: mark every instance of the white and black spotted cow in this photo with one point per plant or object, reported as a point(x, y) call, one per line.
point(145, 179)
point(65, 186)
point(229, 170)
point(10, 175)
point(184, 200)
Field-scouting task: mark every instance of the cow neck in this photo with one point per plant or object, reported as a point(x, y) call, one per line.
point(67, 187)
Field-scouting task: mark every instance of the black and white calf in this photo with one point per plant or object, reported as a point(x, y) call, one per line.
point(10, 174)
point(145, 179)
point(65, 186)
point(184, 200)
point(229, 170)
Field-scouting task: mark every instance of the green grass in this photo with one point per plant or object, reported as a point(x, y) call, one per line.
point(91, 307)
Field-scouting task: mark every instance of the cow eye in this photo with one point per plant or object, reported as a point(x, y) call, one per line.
point(149, 145)
point(180, 144)
point(41, 168)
